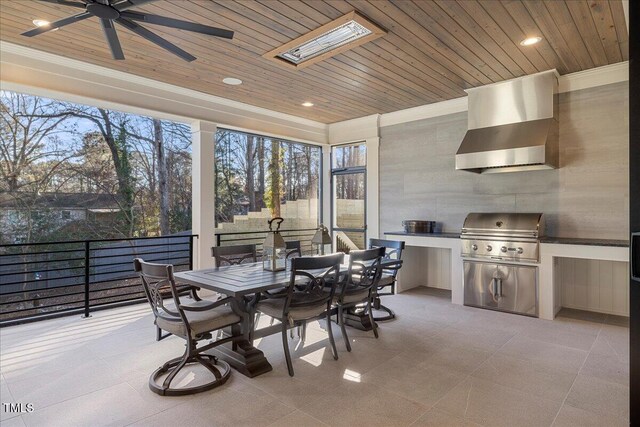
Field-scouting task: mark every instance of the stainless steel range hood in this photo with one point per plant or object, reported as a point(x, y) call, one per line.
point(512, 126)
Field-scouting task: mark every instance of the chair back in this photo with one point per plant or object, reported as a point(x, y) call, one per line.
point(156, 278)
point(364, 271)
point(293, 249)
point(313, 281)
point(393, 251)
point(234, 255)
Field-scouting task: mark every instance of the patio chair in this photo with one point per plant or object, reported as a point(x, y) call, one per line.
point(234, 255)
point(183, 290)
point(393, 252)
point(359, 286)
point(308, 297)
point(192, 322)
point(293, 249)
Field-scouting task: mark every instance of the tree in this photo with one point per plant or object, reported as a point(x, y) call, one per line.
point(27, 123)
point(275, 188)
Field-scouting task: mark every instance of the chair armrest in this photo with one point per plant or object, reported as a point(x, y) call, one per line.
point(395, 265)
point(218, 303)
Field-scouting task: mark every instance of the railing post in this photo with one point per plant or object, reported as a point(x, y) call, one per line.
point(218, 236)
point(191, 252)
point(87, 277)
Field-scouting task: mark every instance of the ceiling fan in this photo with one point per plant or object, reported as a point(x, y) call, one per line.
point(117, 11)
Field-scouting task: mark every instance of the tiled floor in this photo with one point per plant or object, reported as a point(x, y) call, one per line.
point(437, 364)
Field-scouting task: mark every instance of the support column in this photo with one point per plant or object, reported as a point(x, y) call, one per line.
point(373, 188)
point(203, 192)
point(326, 187)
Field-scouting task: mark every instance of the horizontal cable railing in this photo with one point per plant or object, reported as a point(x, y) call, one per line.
point(49, 279)
point(304, 235)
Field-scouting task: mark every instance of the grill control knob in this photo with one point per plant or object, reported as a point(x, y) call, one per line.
point(520, 250)
point(489, 248)
point(474, 247)
point(503, 249)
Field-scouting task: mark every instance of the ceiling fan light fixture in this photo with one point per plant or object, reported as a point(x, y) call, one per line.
point(231, 81)
point(337, 36)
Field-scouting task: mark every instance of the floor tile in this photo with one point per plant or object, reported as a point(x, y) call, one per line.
point(487, 403)
point(425, 385)
point(225, 406)
point(456, 359)
point(613, 340)
point(60, 385)
point(298, 419)
point(479, 337)
point(13, 422)
point(550, 355)
point(436, 418)
point(565, 332)
point(574, 417)
point(6, 397)
point(364, 404)
point(606, 367)
point(113, 406)
point(526, 376)
point(602, 397)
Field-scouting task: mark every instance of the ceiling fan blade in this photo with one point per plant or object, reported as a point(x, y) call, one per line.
point(58, 24)
point(177, 23)
point(67, 3)
point(156, 39)
point(112, 38)
point(128, 4)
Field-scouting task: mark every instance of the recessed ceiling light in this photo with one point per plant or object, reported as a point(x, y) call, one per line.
point(307, 104)
point(231, 81)
point(530, 40)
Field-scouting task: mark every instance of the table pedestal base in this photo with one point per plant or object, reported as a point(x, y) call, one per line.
point(246, 359)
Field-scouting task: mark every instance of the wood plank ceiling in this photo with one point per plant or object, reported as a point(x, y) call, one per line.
point(432, 52)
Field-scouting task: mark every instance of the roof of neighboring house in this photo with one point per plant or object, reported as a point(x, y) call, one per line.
point(19, 200)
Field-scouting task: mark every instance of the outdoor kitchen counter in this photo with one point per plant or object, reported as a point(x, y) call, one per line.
point(416, 268)
point(549, 292)
point(444, 235)
point(585, 242)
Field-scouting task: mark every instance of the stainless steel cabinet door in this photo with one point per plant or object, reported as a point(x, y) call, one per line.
point(504, 287)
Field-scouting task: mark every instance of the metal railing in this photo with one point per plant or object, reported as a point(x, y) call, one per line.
point(304, 235)
point(43, 280)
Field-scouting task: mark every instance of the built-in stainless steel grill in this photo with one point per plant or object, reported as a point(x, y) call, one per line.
point(500, 254)
point(503, 236)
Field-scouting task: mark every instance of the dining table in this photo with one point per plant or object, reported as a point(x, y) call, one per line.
point(245, 282)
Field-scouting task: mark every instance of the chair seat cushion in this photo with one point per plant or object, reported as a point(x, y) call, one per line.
point(274, 307)
point(351, 296)
point(199, 321)
point(386, 280)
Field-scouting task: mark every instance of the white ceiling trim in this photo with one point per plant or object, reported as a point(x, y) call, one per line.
point(45, 72)
point(442, 108)
point(354, 130)
point(594, 77)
